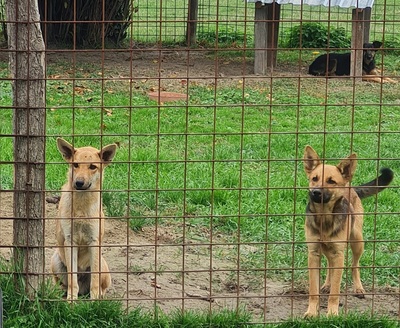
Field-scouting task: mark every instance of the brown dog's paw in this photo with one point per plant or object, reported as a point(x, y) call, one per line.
point(310, 314)
point(391, 81)
point(359, 293)
point(313, 310)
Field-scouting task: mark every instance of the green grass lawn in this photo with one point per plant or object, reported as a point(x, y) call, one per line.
point(230, 160)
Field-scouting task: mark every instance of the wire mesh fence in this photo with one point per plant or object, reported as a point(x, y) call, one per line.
point(206, 196)
point(166, 21)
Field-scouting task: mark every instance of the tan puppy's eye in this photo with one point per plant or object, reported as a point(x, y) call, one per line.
point(315, 179)
point(92, 167)
point(76, 165)
point(331, 181)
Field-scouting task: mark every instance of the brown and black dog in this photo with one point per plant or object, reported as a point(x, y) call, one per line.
point(334, 219)
point(338, 64)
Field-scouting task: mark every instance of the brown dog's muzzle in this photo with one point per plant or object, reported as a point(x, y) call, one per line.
point(319, 195)
point(368, 57)
point(81, 185)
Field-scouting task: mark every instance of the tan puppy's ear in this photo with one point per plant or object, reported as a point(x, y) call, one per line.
point(310, 160)
point(347, 167)
point(66, 149)
point(107, 153)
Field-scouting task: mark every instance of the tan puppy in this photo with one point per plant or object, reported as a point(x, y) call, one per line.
point(77, 263)
point(334, 218)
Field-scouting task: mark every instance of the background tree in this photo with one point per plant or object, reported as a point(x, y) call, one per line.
point(97, 21)
point(27, 59)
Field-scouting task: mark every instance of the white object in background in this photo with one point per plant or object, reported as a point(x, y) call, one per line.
point(341, 3)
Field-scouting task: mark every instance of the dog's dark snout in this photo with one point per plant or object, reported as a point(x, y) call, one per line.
point(317, 193)
point(79, 184)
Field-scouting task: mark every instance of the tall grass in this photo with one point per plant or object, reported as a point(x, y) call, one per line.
point(47, 311)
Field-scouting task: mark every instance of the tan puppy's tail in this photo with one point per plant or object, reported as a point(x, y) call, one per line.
point(376, 185)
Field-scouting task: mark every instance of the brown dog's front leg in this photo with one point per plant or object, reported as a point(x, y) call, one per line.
point(71, 259)
point(313, 273)
point(337, 261)
point(95, 270)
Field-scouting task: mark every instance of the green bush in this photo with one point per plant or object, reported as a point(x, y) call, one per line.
point(316, 35)
point(226, 37)
point(392, 46)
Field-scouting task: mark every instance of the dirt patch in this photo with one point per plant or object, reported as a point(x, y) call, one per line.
point(152, 268)
point(141, 71)
point(168, 70)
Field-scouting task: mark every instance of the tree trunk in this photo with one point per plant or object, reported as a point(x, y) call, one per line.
point(27, 65)
point(88, 24)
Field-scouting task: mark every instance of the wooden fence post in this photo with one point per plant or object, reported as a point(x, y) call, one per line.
point(191, 27)
point(357, 42)
point(266, 36)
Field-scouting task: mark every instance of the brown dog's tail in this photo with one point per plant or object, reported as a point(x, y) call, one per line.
point(376, 185)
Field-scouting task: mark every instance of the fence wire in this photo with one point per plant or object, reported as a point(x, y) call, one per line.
point(206, 197)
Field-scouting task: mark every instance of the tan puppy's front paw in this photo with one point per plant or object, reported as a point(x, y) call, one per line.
point(310, 315)
point(94, 293)
point(72, 298)
point(333, 311)
point(312, 311)
point(359, 293)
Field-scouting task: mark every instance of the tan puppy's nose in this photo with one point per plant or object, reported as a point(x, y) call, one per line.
point(80, 185)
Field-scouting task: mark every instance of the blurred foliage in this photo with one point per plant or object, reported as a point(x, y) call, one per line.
point(317, 35)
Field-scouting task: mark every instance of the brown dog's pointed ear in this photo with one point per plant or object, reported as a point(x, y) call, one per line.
point(66, 149)
point(107, 153)
point(310, 160)
point(348, 167)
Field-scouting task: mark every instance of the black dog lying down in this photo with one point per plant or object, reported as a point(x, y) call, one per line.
point(339, 64)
